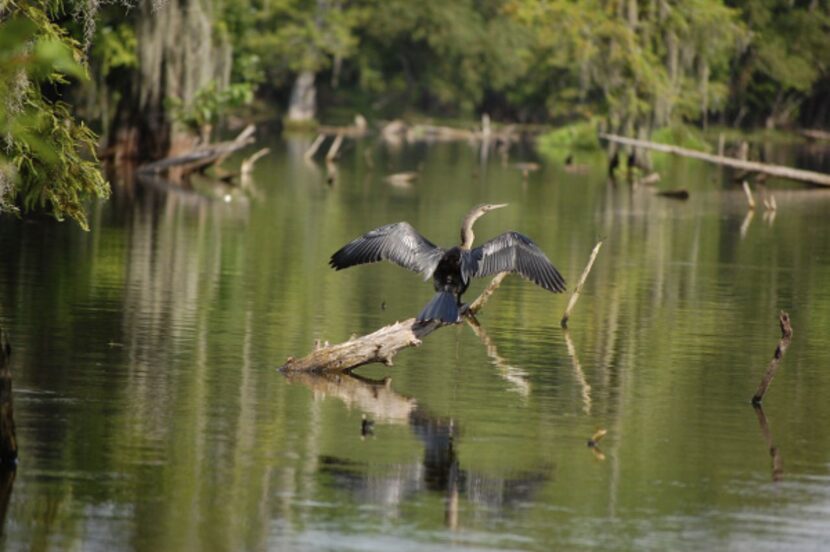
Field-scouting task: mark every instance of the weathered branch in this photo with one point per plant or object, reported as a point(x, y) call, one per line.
point(812, 177)
point(379, 346)
point(749, 199)
point(578, 289)
point(786, 337)
point(247, 166)
point(335, 148)
point(315, 145)
point(202, 156)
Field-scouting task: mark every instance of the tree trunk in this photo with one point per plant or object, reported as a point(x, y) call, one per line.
point(303, 104)
point(179, 54)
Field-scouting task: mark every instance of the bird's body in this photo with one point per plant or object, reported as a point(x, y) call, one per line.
point(451, 269)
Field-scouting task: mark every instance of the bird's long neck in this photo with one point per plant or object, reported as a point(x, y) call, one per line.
point(467, 235)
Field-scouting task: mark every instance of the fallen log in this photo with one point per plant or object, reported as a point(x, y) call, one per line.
point(201, 157)
point(820, 179)
point(816, 134)
point(379, 346)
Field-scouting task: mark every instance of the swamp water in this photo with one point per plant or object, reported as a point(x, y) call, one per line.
point(151, 416)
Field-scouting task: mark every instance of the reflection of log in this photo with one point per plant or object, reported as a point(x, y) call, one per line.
point(774, 451)
point(820, 179)
point(379, 346)
point(8, 438)
point(201, 157)
point(786, 336)
point(377, 398)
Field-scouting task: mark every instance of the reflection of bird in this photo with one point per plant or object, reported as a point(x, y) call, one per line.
point(451, 269)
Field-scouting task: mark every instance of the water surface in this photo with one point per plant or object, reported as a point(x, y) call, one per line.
point(151, 416)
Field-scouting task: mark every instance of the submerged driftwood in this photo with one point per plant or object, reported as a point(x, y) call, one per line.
point(820, 179)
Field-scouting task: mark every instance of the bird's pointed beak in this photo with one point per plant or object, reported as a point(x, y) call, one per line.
point(498, 206)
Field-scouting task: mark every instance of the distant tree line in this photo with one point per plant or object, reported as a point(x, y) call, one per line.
point(161, 73)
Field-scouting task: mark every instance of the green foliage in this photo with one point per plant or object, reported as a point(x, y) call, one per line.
point(681, 135)
point(209, 103)
point(48, 159)
point(581, 135)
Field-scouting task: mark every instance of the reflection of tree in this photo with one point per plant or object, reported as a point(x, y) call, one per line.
point(8, 437)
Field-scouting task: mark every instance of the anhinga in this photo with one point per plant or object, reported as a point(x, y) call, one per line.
point(451, 269)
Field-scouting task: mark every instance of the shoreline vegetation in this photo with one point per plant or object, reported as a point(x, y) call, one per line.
point(157, 79)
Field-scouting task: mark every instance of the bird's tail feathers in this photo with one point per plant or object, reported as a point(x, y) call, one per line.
point(441, 307)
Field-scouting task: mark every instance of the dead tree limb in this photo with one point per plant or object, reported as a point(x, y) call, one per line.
point(315, 145)
point(786, 337)
point(201, 157)
point(812, 177)
point(335, 148)
point(379, 346)
point(247, 166)
point(578, 288)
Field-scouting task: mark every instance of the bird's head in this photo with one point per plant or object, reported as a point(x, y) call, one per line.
point(472, 216)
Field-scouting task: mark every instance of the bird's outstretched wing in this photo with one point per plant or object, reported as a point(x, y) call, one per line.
point(514, 252)
point(398, 242)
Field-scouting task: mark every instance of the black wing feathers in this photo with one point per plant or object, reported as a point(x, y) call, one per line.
point(398, 242)
point(514, 252)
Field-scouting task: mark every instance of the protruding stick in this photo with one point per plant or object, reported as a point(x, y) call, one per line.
point(786, 337)
point(578, 288)
point(335, 148)
point(488, 291)
point(248, 163)
point(315, 145)
point(748, 192)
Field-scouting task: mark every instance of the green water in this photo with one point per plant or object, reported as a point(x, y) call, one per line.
point(151, 416)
